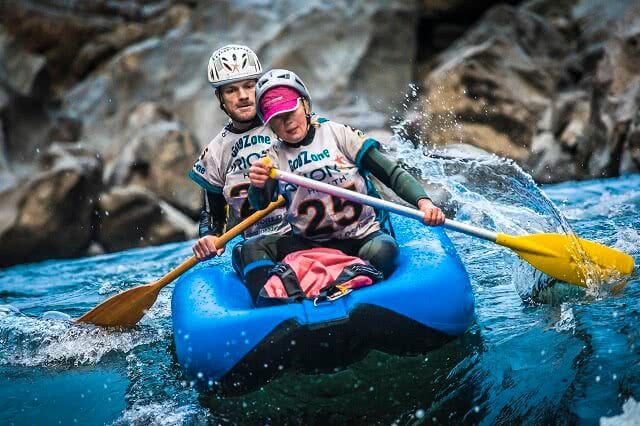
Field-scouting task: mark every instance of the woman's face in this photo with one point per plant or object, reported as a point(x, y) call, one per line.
point(291, 126)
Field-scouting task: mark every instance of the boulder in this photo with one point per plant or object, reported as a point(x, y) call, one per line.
point(561, 132)
point(494, 84)
point(158, 157)
point(19, 68)
point(132, 216)
point(340, 61)
point(50, 215)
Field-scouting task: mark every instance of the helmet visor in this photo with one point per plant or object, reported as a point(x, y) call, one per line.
point(278, 100)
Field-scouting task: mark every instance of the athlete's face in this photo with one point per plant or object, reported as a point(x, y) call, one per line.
point(291, 126)
point(239, 100)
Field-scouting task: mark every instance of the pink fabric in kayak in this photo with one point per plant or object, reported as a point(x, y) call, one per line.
point(316, 269)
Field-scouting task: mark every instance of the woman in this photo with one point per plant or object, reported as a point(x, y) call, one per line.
point(333, 153)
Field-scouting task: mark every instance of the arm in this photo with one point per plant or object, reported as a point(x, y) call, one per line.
point(263, 189)
point(213, 221)
point(402, 183)
point(213, 218)
point(394, 176)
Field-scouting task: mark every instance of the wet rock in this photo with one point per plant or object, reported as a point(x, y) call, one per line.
point(65, 128)
point(107, 44)
point(612, 132)
point(132, 216)
point(158, 157)
point(50, 215)
point(340, 60)
point(561, 131)
point(492, 86)
point(19, 69)
point(61, 29)
point(6, 176)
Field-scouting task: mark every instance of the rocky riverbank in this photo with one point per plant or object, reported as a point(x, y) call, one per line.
point(104, 105)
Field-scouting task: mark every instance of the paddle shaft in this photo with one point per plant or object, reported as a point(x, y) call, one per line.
point(221, 241)
point(127, 308)
point(378, 203)
point(564, 257)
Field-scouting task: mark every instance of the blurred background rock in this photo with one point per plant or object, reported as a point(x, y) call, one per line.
point(104, 104)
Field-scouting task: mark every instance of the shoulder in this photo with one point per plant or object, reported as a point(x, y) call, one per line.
point(340, 129)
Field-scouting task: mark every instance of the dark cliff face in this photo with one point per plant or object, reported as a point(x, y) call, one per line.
point(553, 85)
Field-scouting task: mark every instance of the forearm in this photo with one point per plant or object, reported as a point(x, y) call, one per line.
point(213, 218)
point(259, 198)
point(392, 174)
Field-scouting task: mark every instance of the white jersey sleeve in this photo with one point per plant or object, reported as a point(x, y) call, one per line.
point(208, 170)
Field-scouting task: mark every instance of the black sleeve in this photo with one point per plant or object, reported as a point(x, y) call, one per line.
point(259, 198)
point(394, 176)
point(213, 218)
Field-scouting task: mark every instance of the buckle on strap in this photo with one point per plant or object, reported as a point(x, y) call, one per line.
point(332, 294)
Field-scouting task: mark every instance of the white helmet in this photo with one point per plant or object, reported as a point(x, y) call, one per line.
point(280, 77)
point(232, 63)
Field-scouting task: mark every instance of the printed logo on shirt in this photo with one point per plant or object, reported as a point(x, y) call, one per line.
point(306, 158)
point(199, 168)
point(341, 161)
point(242, 163)
point(246, 142)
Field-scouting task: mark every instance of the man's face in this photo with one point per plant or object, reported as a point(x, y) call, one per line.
point(239, 99)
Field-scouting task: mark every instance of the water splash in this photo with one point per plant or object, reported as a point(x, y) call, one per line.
point(166, 414)
point(490, 192)
point(30, 342)
point(630, 415)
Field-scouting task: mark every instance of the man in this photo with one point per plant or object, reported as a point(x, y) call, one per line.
point(222, 170)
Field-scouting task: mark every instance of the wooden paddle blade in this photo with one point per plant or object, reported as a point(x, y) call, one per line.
point(562, 257)
point(124, 309)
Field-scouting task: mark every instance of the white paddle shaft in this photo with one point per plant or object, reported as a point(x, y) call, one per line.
point(379, 203)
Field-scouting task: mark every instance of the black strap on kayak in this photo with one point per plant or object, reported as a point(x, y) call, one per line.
point(340, 286)
point(289, 280)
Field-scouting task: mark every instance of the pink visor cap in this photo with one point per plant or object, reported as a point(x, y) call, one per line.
point(278, 100)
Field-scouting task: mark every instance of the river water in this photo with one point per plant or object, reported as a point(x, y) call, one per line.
point(537, 354)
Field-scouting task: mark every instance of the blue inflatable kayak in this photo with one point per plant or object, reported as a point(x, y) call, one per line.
point(225, 343)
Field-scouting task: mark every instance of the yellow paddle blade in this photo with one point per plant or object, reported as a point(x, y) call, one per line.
point(563, 257)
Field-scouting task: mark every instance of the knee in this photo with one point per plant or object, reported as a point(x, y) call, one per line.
point(251, 249)
point(236, 258)
point(382, 253)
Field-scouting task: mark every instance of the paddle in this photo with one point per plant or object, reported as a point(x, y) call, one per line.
point(125, 309)
point(556, 255)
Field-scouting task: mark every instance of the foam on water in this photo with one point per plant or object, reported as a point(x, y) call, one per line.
point(30, 342)
point(630, 415)
point(166, 414)
point(495, 193)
